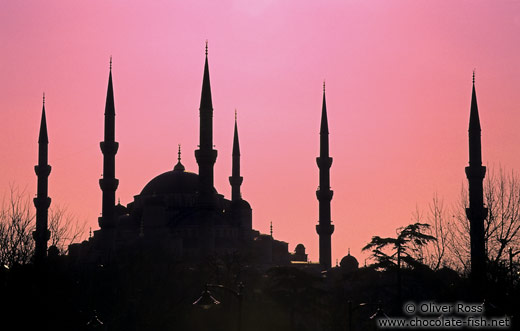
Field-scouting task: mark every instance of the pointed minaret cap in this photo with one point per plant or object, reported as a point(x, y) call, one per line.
point(474, 120)
point(179, 166)
point(43, 138)
point(324, 129)
point(205, 98)
point(236, 146)
point(109, 105)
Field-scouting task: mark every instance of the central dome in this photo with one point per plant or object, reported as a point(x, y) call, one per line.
point(172, 182)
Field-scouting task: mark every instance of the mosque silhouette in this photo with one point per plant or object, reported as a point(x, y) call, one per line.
point(180, 213)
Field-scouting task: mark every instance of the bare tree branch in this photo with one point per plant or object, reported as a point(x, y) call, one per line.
point(17, 223)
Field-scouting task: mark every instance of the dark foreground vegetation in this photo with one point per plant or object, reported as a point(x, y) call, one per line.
point(144, 293)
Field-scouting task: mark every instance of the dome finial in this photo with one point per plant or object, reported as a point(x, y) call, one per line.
point(349, 251)
point(179, 166)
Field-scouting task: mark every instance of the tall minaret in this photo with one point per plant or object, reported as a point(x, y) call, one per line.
point(236, 180)
point(206, 155)
point(324, 193)
point(109, 148)
point(42, 201)
point(476, 212)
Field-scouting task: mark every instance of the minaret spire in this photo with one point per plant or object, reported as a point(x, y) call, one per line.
point(43, 138)
point(476, 212)
point(206, 155)
point(324, 193)
point(109, 149)
point(42, 200)
point(236, 180)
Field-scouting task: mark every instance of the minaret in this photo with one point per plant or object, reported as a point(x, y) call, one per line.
point(206, 155)
point(109, 148)
point(236, 180)
point(42, 201)
point(476, 212)
point(324, 193)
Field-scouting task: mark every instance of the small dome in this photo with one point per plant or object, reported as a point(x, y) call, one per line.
point(120, 209)
point(172, 182)
point(349, 263)
point(53, 251)
point(299, 249)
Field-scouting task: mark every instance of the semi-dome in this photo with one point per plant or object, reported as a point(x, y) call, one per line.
point(240, 204)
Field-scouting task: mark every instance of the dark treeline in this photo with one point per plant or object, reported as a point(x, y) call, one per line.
point(148, 292)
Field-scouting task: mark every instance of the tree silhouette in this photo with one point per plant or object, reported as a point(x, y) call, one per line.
point(501, 227)
point(436, 253)
point(17, 223)
point(405, 247)
point(16, 228)
point(65, 229)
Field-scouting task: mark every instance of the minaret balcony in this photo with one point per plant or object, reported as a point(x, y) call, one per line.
point(39, 235)
point(324, 195)
point(236, 180)
point(476, 214)
point(475, 172)
point(324, 162)
point(206, 156)
point(325, 229)
point(109, 147)
point(42, 202)
point(108, 184)
point(42, 170)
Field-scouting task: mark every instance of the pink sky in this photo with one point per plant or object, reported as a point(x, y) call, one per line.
point(398, 79)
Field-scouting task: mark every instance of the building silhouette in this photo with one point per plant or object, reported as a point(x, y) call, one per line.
point(109, 148)
point(42, 201)
point(324, 193)
point(179, 213)
point(476, 212)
